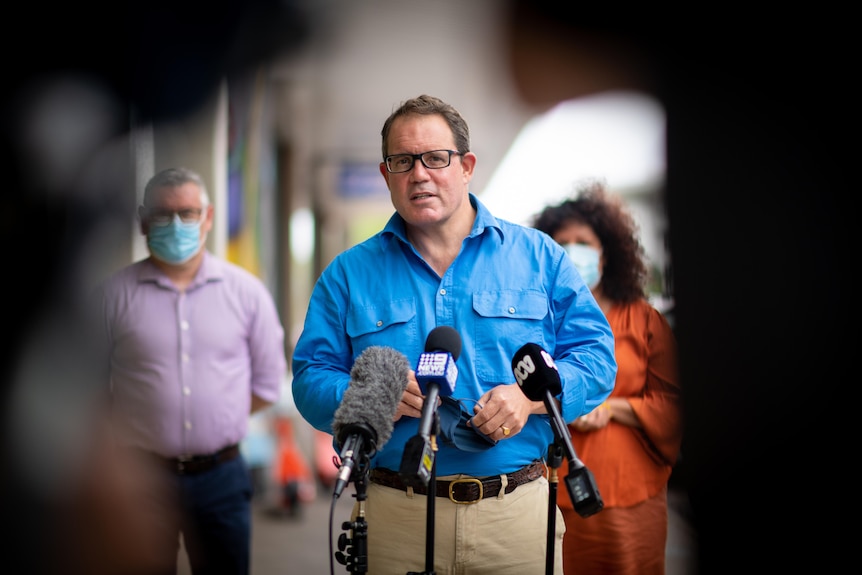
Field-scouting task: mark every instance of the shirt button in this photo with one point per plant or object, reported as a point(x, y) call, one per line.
point(379, 323)
point(443, 291)
point(511, 310)
point(184, 325)
point(187, 391)
point(185, 357)
point(188, 425)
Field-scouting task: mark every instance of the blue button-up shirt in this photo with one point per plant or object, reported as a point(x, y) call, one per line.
point(510, 285)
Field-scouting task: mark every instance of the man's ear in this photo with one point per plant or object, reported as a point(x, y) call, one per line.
point(142, 218)
point(208, 218)
point(384, 172)
point(468, 163)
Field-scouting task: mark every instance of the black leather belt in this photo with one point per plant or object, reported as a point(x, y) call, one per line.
point(467, 489)
point(198, 463)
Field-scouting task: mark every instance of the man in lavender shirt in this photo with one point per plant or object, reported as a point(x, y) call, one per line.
point(196, 345)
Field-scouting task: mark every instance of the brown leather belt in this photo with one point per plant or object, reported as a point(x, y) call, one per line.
point(465, 490)
point(198, 463)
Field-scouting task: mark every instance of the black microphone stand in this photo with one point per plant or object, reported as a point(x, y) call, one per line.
point(431, 501)
point(353, 552)
point(555, 460)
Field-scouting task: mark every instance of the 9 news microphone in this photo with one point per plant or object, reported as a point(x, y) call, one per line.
point(539, 379)
point(436, 374)
point(362, 424)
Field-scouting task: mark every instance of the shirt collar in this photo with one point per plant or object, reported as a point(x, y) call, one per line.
point(211, 269)
point(484, 220)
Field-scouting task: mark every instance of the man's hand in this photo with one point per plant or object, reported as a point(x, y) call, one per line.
point(502, 412)
point(412, 400)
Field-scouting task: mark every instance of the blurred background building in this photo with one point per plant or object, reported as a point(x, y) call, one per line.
point(290, 144)
point(279, 105)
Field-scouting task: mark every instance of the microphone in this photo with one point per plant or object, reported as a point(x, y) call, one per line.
point(539, 379)
point(436, 374)
point(436, 371)
point(362, 423)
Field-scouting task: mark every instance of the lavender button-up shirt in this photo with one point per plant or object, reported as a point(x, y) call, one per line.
point(184, 366)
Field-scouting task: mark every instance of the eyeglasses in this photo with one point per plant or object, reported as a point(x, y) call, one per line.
point(433, 160)
point(162, 218)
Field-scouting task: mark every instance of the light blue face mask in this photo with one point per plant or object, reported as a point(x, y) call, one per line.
point(175, 243)
point(586, 260)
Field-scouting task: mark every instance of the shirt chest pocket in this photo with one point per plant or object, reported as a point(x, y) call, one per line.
point(379, 323)
point(504, 321)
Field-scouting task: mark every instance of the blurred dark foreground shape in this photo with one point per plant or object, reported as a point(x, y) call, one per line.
point(762, 244)
point(67, 108)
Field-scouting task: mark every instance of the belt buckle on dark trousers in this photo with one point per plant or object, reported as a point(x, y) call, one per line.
point(465, 480)
point(181, 464)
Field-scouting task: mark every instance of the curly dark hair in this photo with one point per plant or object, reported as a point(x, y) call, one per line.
point(625, 273)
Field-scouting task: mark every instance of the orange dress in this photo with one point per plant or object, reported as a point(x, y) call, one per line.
point(631, 466)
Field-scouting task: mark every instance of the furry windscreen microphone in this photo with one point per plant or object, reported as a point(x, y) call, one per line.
point(362, 423)
point(377, 382)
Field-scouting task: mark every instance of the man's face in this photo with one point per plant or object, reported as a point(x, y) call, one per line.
point(184, 200)
point(424, 196)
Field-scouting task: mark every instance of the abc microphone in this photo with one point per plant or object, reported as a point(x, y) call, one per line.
point(436, 374)
point(362, 424)
point(539, 379)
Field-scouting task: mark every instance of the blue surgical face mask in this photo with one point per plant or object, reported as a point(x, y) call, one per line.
point(175, 243)
point(454, 415)
point(586, 260)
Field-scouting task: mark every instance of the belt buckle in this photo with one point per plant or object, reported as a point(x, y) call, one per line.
point(465, 480)
point(181, 464)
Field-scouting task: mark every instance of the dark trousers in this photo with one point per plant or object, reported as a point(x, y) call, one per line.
point(214, 518)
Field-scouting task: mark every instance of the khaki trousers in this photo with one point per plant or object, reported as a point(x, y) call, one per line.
point(503, 535)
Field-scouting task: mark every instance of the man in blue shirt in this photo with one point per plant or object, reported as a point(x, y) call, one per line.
point(444, 260)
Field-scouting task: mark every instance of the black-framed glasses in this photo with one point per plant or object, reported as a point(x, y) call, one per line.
point(158, 217)
point(433, 160)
